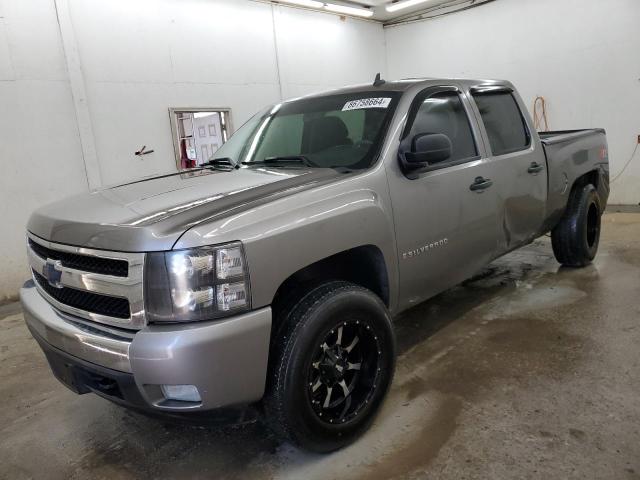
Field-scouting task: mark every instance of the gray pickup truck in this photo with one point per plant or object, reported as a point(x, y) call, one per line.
point(269, 277)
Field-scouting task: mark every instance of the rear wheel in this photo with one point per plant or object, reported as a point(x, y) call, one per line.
point(331, 367)
point(576, 238)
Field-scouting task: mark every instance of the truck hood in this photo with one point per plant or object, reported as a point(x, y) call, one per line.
point(152, 214)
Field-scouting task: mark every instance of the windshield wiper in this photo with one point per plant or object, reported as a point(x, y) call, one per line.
point(225, 163)
point(284, 160)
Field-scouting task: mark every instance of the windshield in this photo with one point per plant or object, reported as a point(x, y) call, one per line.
point(328, 132)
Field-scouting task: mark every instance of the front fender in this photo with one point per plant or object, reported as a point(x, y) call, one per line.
point(287, 235)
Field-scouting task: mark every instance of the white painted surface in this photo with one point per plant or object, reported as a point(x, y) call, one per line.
point(319, 52)
point(581, 55)
point(39, 144)
point(138, 58)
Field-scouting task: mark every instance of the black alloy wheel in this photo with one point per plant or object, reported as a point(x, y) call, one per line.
point(331, 365)
point(344, 372)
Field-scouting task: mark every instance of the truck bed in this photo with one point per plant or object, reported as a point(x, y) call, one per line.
point(571, 154)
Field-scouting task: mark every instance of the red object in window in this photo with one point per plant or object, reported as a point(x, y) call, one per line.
point(185, 162)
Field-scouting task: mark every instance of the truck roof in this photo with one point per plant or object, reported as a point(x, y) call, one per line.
point(407, 83)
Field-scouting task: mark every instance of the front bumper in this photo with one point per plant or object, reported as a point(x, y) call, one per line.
point(226, 359)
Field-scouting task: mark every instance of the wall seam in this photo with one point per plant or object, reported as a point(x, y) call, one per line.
point(276, 50)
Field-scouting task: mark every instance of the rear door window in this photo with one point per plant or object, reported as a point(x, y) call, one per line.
point(503, 121)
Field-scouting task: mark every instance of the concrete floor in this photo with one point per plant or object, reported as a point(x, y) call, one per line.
point(528, 371)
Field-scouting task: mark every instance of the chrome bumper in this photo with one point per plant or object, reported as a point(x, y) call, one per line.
point(226, 360)
point(74, 338)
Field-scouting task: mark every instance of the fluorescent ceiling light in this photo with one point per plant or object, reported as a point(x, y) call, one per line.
point(394, 7)
point(360, 12)
point(305, 3)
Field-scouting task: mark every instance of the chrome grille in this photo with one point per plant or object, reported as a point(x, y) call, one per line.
point(83, 300)
point(97, 285)
point(104, 266)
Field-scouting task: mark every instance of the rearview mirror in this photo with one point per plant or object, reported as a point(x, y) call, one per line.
point(429, 148)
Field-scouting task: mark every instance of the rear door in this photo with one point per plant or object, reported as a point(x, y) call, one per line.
point(445, 215)
point(521, 176)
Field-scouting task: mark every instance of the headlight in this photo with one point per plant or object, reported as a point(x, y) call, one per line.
point(198, 284)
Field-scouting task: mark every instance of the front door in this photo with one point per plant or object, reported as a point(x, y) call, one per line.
point(445, 216)
point(521, 179)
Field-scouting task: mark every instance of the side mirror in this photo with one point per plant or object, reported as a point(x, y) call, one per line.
point(429, 148)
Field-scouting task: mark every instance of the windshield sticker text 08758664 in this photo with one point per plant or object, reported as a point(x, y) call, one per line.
point(366, 103)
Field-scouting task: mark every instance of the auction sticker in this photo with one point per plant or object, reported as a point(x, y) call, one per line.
point(366, 103)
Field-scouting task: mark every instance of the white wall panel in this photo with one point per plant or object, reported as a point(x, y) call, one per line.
point(35, 48)
point(6, 66)
point(41, 162)
point(39, 145)
point(582, 55)
point(223, 43)
point(318, 52)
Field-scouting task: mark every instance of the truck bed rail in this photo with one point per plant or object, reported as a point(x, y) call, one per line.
point(559, 136)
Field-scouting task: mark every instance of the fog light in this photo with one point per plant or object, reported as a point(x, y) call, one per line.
point(182, 393)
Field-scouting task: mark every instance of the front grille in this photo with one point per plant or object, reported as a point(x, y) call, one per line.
point(103, 266)
point(87, 301)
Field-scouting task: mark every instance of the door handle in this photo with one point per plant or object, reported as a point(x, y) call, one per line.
point(480, 184)
point(535, 168)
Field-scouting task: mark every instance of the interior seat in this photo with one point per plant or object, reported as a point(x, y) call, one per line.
point(325, 132)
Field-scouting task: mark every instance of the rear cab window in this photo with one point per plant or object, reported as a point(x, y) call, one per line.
point(503, 122)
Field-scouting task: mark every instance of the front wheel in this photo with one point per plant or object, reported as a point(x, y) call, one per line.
point(576, 238)
point(331, 367)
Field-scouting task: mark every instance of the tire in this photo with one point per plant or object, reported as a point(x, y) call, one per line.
point(315, 352)
point(576, 238)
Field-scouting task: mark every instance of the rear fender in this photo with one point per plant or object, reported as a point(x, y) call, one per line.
point(571, 163)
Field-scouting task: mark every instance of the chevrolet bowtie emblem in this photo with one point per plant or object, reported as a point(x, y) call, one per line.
point(52, 271)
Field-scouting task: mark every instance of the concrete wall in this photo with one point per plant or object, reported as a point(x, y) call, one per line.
point(582, 55)
point(135, 59)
